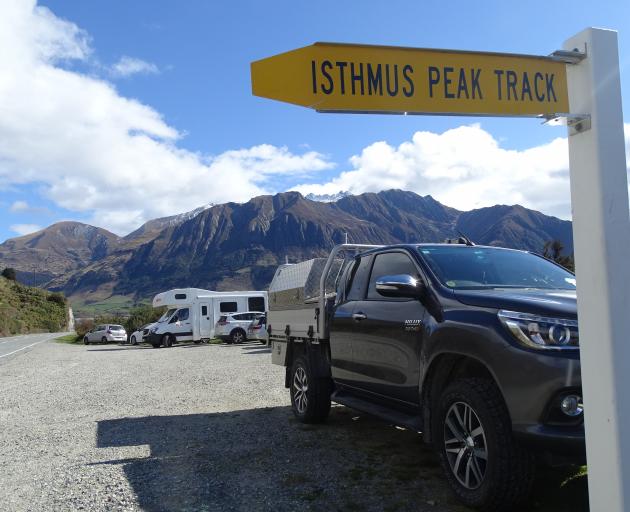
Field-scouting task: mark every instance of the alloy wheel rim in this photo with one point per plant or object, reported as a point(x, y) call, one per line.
point(300, 389)
point(238, 337)
point(465, 445)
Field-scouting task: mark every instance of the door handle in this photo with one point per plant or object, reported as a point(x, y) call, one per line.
point(357, 317)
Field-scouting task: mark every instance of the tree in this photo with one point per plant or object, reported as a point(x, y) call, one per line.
point(141, 315)
point(553, 251)
point(9, 273)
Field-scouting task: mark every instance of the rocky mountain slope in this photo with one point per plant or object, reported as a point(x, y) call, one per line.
point(238, 246)
point(57, 250)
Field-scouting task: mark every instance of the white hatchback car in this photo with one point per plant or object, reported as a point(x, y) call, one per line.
point(105, 333)
point(232, 327)
point(140, 335)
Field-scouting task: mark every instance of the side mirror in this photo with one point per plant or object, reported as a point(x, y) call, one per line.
point(399, 285)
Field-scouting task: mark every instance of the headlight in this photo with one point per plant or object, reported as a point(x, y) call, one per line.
point(153, 330)
point(541, 332)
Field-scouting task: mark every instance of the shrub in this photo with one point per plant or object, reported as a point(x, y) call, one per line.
point(82, 326)
point(141, 315)
point(9, 273)
point(57, 297)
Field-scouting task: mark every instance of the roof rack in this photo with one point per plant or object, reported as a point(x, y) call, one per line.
point(461, 239)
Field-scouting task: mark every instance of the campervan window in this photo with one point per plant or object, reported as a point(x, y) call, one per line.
point(256, 303)
point(179, 296)
point(167, 315)
point(228, 307)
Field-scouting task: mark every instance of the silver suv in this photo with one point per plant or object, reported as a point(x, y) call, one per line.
point(232, 327)
point(106, 333)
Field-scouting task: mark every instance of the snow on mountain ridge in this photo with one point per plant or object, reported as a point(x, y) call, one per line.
point(327, 198)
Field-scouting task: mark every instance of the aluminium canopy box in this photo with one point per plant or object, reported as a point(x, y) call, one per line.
point(293, 296)
point(296, 286)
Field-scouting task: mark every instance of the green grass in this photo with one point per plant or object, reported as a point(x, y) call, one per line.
point(116, 304)
point(69, 338)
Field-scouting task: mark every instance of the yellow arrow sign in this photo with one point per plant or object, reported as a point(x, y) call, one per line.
point(331, 77)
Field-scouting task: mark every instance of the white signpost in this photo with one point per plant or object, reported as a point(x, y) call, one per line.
point(601, 238)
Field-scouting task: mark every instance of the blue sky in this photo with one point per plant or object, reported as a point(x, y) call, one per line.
point(192, 68)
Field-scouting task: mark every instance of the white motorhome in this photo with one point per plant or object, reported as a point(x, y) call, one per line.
point(192, 313)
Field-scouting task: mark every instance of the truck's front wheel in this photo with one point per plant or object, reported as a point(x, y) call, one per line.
point(485, 466)
point(310, 396)
point(167, 340)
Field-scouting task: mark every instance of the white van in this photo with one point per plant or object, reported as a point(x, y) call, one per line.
point(192, 313)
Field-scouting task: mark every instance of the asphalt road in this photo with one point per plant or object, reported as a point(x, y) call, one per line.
point(16, 346)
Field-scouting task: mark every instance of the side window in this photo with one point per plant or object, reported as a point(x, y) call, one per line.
point(204, 310)
point(256, 303)
point(183, 314)
point(100, 327)
point(228, 307)
point(358, 279)
point(388, 264)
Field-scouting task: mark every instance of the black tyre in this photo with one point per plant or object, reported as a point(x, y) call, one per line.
point(167, 340)
point(310, 396)
point(156, 345)
point(86, 341)
point(263, 342)
point(196, 342)
point(103, 339)
point(238, 336)
point(133, 340)
point(483, 463)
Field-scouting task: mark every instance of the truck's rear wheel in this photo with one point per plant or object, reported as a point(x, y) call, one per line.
point(485, 466)
point(310, 396)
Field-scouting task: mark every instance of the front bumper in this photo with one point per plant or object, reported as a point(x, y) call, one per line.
point(153, 338)
point(556, 445)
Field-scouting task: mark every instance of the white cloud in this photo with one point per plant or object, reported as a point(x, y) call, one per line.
point(128, 66)
point(465, 168)
point(24, 229)
point(92, 150)
point(19, 206)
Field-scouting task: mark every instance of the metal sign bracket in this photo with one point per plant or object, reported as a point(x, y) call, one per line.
point(576, 123)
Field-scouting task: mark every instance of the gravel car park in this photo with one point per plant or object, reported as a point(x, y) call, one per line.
point(203, 427)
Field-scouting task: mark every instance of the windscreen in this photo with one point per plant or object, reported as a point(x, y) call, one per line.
point(116, 328)
point(465, 267)
point(167, 315)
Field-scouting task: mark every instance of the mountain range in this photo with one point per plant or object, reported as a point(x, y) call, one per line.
point(236, 246)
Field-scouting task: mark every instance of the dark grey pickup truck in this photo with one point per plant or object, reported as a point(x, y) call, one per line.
point(476, 347)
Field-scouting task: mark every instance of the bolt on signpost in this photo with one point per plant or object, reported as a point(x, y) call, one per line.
point(580, 84)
